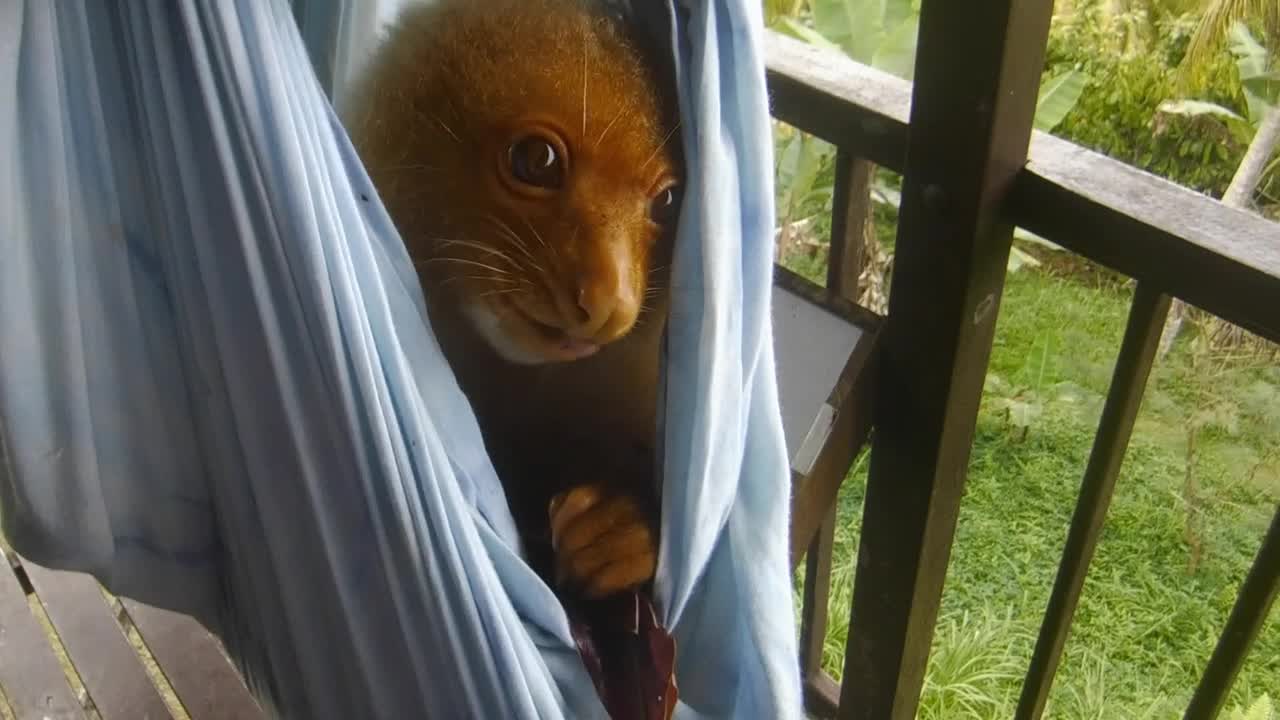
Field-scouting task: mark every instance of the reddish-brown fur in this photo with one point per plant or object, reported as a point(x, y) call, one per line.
point(548, 302)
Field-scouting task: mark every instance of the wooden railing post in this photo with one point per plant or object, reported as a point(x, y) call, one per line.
point(813, 621)
point(850, 208)
point(977, 74)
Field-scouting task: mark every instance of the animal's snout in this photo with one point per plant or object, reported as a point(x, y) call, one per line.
point(603, 304)
point(596, 298)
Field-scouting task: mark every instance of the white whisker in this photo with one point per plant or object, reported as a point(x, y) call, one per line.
point(449, 130)
point(659, 148)
point(537, 235)
point(515, 240)
point(609, 127)
point(461, 261)
point(445, 242)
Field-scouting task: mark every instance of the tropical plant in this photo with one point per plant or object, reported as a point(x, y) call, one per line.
point(1218, 18)
point(1261, 709)
point(882, 34)
point(1117, 113)
point(1260, 86)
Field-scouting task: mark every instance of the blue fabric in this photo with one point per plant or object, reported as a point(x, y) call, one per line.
point(219, 390)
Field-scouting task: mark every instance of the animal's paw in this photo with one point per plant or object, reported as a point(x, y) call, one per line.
point(603, 541)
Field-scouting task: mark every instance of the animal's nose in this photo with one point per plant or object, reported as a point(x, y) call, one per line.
point(596, 300)
point(603, 308)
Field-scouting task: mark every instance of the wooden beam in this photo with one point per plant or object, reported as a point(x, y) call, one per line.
point(1218, 258)
point(815, 487)
point(1223, 260)
point(817, 587)
point(821, 697)
point(1128, 382)
point(824, 93)
point(850, 211)
point(977, 75)
point(852, 401)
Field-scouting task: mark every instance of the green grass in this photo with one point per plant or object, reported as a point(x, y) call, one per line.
point(1150, 614)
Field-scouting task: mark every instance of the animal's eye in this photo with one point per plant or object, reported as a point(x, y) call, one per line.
point(665, 205)
point(534, 161)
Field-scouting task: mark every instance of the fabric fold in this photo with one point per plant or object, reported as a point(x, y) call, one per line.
point(220, 393)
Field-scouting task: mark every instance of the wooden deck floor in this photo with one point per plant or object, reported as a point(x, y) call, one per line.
point(69, 650)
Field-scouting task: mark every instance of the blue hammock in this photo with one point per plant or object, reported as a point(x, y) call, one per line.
point(220, 393)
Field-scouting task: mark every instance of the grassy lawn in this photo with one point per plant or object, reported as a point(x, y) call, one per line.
point(1181, 532)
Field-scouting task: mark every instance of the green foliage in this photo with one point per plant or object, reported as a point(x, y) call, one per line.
point(1146, 623)
point(1219, 15)
point(1259, 81)
point(1203, 471)
point(880, 33)
point(1196, 108)
point(804, 174)
point(1058, 97)
point(974, 661)
point(1261, 709)
point(1119, 112)
point(1202, 474)
point(1259, 84)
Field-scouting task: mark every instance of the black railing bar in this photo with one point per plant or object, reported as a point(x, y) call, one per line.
point(1248, 615)
point(1147, 314)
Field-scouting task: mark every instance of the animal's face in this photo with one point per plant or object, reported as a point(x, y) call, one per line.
point(537, 184)
point(555, 254)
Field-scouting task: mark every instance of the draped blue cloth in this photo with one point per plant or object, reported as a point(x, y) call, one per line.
point(220, 393)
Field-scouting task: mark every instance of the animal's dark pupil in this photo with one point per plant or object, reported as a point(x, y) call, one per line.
point(663, 206)
point(534, 161)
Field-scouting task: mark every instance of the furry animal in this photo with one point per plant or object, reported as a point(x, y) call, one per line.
point(527, 152)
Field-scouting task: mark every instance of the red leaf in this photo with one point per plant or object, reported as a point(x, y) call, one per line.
point(631, 658)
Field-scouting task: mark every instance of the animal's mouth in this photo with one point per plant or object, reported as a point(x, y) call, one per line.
point(550, 341)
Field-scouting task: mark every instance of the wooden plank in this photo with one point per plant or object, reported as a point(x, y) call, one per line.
point(821, 696)
point(1221, 259)
point(813, 618)
point(817, 589)
point(824, 331)
point(816, 295)
point(817, 486)
point(1257, 595)
point(827, 94)
point(812, 343)
point(30, 674)
point(977, 74)
point(204, 679)
point(111, 670)
point(850, 212)
point(1128, 383)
